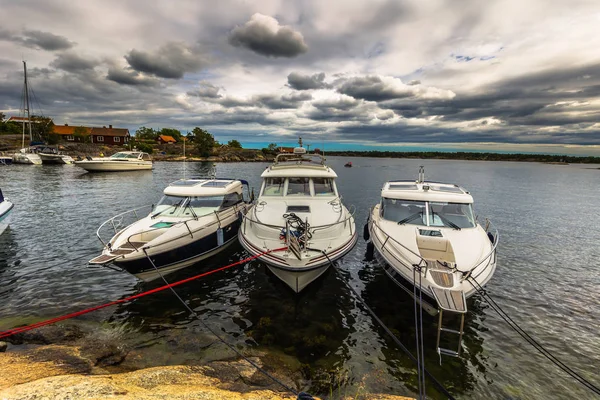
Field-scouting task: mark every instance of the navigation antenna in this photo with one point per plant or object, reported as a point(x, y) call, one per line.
point(184, 164)
point(421, 178)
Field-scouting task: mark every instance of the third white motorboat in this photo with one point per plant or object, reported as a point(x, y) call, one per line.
point(298, 208)
point(425, 234)
point(121, 161)
point(50, 155)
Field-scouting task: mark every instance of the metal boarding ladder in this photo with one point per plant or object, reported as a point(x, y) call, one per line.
point(452, 301)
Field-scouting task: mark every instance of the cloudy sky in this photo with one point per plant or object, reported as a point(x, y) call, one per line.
point(502, 75)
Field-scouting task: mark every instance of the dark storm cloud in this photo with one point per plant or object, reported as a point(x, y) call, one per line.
point(38, 40)
point(284, 101)
point(170, 61)
point(205, 90)
point(371, 88)
point(345, 109)
point(272, 101)
point(72, 62)
point(307, 82)
point(126, 77)
point(263, 35)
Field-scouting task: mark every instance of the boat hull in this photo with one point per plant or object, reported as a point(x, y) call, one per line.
point(297, 277)
point(179, 257)
point(6, 160)
point(5, 215)
point(55, 159)
point(114, 166)
point(27, 158)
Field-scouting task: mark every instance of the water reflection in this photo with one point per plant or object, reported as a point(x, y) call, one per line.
point(395, 308)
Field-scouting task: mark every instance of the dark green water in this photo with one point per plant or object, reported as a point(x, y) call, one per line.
point(548, 280)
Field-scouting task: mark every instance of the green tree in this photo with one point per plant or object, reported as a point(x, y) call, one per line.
point(176, 134)
point(145, 147)
point(204, 141)
point(145, 133)
point(81, 134)
point(234, 144)
point(272, 147)
point(42, 128)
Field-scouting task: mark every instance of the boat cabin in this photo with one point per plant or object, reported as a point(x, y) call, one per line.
point(427, 204)
point(198, 197)
point(131, 155)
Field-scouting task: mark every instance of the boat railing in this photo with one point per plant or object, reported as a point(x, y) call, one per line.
point(312, 229)
point(220, 216)
point(116, 222)
point(489, 228)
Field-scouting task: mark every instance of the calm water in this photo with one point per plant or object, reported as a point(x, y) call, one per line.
point(548, 280)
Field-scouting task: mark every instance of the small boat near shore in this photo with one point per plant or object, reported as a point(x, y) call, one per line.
point(195, 219)
point(50, 155)
point(348, 164)
point(121, 161)
point(5, 212)
point(299, 207)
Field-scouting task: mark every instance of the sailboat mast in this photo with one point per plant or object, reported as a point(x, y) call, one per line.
point(27, 102)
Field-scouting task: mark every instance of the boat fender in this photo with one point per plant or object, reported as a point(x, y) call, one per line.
point(240, 216)
point(366, 234)
point(491, 237)
point(304, 396)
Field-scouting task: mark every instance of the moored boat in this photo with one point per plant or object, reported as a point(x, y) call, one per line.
point(50, 155)
point(195, 219)
point(5, 212)
point(299, 207)
point(121, 161)
point(425, 234)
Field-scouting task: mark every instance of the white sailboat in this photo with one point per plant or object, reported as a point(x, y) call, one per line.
point(26, 155)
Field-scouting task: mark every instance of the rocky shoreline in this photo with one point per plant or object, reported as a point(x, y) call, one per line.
point(76, 362)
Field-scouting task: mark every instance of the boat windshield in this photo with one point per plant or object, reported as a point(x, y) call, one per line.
point(298, 186)
point(194, 206)
point(125, 155)
point(404, 211)
point(453, 215)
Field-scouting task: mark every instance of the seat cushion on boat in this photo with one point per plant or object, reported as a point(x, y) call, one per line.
point(435, 248)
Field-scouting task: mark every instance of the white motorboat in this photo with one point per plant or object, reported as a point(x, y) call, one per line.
point(26, 156)
point(299, 207)
point(121, 161)
point(5, 210)
point(425, 234)
point(50, 155)
point(195, 219)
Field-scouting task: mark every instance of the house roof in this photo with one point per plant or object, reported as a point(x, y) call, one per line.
point(167, 138)
point(110, 131)
point(22, 119)
point(69, 130)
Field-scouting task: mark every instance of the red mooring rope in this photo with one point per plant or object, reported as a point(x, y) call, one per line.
point(26, 328)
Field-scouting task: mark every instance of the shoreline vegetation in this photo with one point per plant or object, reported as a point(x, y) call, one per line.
point(203, 148)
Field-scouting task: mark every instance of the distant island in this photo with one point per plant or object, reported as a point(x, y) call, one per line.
point(465, 155)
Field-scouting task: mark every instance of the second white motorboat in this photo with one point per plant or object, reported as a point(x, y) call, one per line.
point(121, 161)
point(51, 155)
point(195, 219)
point(299, 208)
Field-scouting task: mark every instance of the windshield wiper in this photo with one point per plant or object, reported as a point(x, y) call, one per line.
point(445, 220)
point(410, 218)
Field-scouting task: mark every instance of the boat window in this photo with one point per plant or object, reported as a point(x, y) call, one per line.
point(446, 189)
point(231, 199)
point(146, 157)
point(403, 186)
point(406, 211)
point(198, 206)
point(273, 187)
point(298, 187)
point(451, 214)
point(323, 187)
point(168, 205)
